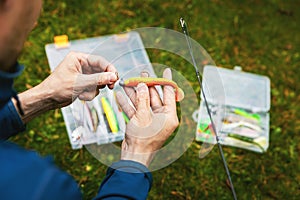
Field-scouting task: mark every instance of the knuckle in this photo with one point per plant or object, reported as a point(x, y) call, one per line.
point(102, 80)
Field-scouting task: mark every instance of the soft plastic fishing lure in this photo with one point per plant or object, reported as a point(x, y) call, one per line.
point(110, 115)
point(150, 81)
point(92, 119)
point(126, 118)
point(246, 114)
point(259, 141)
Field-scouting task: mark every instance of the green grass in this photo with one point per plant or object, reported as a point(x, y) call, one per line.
point(261, 36)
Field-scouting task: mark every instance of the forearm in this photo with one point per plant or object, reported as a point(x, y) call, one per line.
point(34, 102)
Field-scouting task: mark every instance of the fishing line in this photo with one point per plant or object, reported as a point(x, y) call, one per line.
point(187, 37)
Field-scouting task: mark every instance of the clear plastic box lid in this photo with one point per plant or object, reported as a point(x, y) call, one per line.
point(236, 88)
point(125, 51)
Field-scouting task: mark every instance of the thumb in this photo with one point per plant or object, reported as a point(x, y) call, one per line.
point(98, 79)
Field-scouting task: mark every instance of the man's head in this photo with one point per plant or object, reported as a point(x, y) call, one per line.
point(17, 19)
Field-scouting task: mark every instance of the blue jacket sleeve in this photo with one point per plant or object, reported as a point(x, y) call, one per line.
point(125, 180)
point(26, 175)
point(10, 121)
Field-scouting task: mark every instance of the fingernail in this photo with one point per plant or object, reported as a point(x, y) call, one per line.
point(168, 70)
point(167, 73)
point(144, 74)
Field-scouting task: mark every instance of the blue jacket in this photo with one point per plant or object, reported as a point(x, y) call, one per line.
point(26, 175)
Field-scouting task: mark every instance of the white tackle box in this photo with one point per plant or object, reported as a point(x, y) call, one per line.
point(239, 103)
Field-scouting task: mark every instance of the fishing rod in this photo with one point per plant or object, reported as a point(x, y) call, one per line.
point(187, 37)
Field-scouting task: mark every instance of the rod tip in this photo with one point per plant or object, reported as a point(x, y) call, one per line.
point(182, 22)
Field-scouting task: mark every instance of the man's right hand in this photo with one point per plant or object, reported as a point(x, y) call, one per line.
point(152, 121)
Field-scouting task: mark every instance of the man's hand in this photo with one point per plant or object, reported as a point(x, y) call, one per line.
point(152, 121)
point(77, 76)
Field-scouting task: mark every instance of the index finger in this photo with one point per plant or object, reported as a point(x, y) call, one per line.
point(100, 64)
point(168, 91)
point(143, 111)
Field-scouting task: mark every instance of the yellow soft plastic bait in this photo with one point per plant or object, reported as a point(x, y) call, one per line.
point(110, 115)
point(150, 81)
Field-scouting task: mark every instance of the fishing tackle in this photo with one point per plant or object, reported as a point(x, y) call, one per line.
point(234, 125)
point(110, 115)
point(206, 132)
point(241, 112)
point(233, 118)
point(150, 81)
point(77, 134)
point(259, 141)
point(125, 117)
point(93, 119)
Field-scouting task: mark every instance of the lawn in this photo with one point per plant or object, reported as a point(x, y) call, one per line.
point(261, 36)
